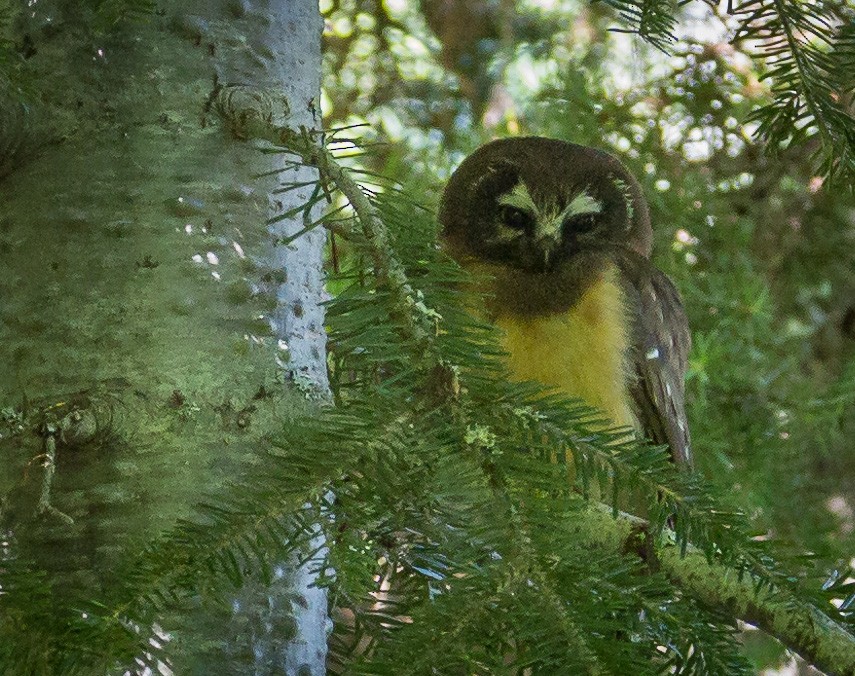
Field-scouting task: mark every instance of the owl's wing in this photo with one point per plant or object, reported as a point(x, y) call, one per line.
point(660, 363)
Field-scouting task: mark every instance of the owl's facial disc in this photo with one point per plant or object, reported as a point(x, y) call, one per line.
point(538, 236)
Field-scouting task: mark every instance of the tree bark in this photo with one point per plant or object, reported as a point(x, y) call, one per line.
point(133, 260)
point(283, 39)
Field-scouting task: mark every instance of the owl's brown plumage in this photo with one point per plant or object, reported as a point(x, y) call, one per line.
point(565, 232)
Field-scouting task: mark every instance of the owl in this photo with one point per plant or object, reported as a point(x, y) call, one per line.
point(563, 233)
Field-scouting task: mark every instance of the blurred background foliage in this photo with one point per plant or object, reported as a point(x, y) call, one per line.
point(760, 243)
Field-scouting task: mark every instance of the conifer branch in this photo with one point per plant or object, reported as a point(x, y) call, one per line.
point(755, 600)
point(808, 49)
point(799, 626)
point(652, 20)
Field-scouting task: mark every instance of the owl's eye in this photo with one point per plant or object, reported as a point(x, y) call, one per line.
point(516, 218)
point(580, 223)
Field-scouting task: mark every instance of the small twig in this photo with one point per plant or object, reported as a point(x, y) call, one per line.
point(44, 506)
point(417, 319)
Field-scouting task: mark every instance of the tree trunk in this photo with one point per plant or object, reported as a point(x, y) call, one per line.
point(133, 263)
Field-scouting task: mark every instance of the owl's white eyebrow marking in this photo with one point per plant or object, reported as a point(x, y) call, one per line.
point(583, 203)
point(549, 222)
point(520, 198)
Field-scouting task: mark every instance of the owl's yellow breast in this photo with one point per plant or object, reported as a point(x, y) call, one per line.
point(583, 352)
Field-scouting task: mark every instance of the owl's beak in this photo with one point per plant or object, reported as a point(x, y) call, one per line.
point(543, 253)
point(547, 247)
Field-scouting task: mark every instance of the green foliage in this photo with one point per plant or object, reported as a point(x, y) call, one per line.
point(810, 52)
point(802, 52)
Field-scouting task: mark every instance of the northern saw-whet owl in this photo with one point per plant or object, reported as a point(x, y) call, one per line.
point(564, 232)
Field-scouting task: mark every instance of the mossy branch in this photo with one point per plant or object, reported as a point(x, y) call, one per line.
point(799, 626)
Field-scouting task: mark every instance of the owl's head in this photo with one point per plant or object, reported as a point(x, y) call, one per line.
point(534, 203)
